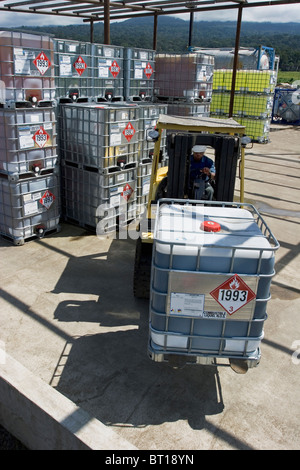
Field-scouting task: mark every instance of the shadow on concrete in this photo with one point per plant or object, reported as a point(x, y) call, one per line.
point(109, 374)
point(273, 160)
point(281, 185)
point(284, 127)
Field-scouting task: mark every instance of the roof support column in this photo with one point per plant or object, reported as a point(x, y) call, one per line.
point(92, 32)
point(235, 60)
point(191, 28)
point(106, 22)
point(155, 32)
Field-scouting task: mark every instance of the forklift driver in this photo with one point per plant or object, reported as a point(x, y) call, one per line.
point(202, 173)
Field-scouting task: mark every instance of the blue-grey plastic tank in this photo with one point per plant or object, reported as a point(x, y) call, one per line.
point(189, 263)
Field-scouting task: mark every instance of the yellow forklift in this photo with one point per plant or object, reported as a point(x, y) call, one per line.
point(205, 264)
point(226, 138)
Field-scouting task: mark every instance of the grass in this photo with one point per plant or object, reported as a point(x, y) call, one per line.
point(288, 77)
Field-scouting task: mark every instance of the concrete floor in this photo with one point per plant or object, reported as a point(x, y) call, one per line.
point(68, 315)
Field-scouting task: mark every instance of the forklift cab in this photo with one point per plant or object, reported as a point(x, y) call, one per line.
point(178, 184)
point(224, 138)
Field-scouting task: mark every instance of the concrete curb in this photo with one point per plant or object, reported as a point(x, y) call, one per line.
point(43, 419)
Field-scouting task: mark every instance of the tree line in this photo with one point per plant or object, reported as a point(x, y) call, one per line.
point(173, 36)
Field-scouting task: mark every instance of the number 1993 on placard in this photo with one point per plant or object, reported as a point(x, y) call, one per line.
point(234, 295)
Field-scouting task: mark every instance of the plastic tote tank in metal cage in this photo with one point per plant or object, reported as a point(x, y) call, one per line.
point(189, 109)
point(184, 77)
point(261, 58)
point(103, 136)
point(149, 114)
point(139, 72)
point(211, 273)
point(95, 200)
point(108, 72)
point(257, 129)
point(257, 105)
point(29, 207)
point(143, 184)
point(286, 108)
point(73, 70)
point(247, 81)
point(28, 140)
point(26, 68)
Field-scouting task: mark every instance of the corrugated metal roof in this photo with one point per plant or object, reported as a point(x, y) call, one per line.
point(97, 10)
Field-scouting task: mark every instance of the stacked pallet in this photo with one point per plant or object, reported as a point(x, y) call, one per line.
point(185, 83)
point(106, 162)
point(139, 73)
point(74, 119)
point(29, 175)
point(253, 99)
point(99, 147)
point(101, 73)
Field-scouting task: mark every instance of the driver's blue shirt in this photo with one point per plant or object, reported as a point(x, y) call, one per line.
point(197, 166)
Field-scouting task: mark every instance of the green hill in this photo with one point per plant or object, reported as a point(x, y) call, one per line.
point(172, 36)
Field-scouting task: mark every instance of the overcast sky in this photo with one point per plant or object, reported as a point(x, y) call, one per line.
point(274, 14)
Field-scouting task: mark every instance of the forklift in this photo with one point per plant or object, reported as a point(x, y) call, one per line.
point(205, 263)
point(225, 136)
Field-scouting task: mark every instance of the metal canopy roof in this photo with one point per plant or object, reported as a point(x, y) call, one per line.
point(99, 10)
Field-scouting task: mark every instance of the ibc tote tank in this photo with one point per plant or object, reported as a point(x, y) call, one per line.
point(26, 67)
point(248, 58)
point(186, 77)
point(209, 286)
point(28, 140)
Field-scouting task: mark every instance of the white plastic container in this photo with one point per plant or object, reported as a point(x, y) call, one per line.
point(73, 69)
point(102, 136)
point(29, 207)
point(26, 67)
point(108, 72)
point(186, 77)
point(27, 140)
point(90, 197)
point(139, 73)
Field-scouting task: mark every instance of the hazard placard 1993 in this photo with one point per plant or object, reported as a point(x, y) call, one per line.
point(233, 294)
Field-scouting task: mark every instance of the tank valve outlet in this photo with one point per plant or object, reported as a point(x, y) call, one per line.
point(40, 231)
point(121, 162)
point(36, 169)
point(33, 100)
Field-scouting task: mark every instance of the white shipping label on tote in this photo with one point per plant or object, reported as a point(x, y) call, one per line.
point(30, 208)
point(186, 304)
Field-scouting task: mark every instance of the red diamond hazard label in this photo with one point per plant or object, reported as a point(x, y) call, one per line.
point(127, 192)
point(233, 294)
point(47, 199)
point(114, 69)
point(42, 63)
point(129, 132)
point(80, 65)
point(41, 137)
point(148, 71)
